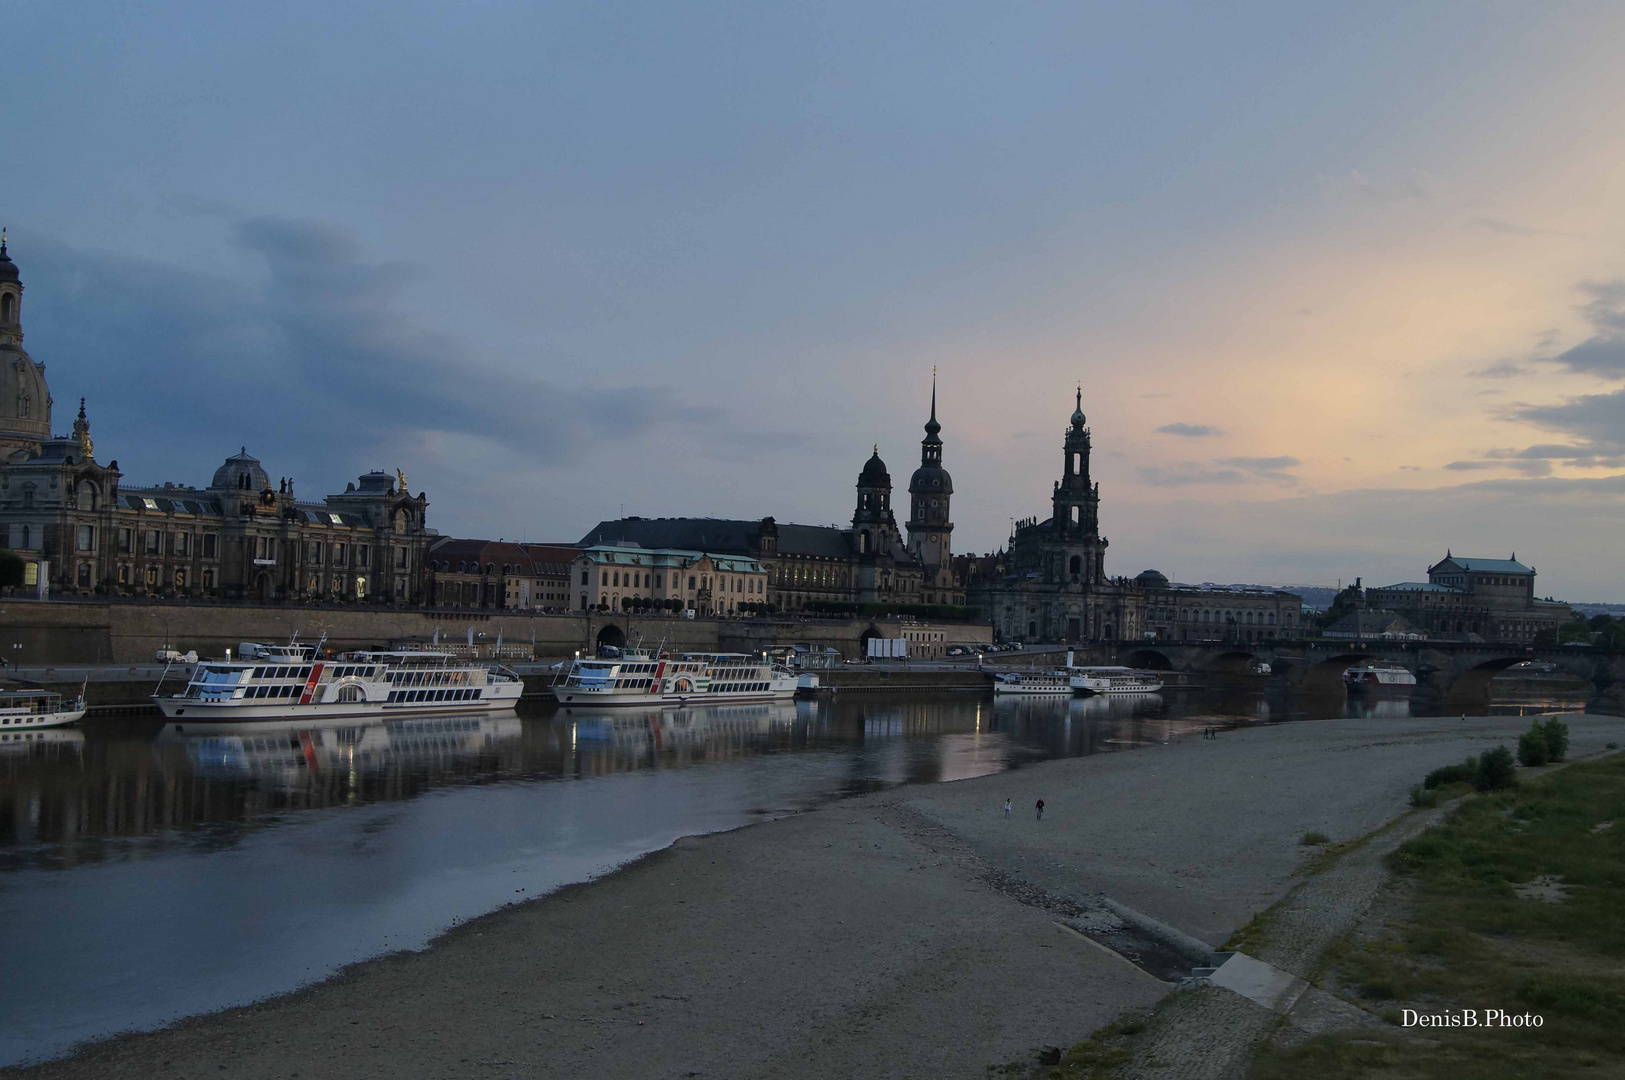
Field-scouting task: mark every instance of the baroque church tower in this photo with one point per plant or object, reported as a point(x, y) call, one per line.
point(930, 531)
point(25, 402)
point(1076, 508)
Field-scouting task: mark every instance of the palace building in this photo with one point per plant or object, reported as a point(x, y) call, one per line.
point(1474, 600)
point(80, 530)
point(870, 562)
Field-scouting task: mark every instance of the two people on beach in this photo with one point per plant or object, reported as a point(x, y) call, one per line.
point(1040, 809)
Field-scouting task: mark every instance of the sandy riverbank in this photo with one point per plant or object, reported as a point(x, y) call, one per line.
point(857, 940)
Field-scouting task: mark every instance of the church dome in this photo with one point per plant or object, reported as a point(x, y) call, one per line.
point(874, 472)
point(1151, 579)
point(241, 471)
point(8, 269)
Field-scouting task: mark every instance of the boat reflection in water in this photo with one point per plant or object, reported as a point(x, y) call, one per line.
point(288, 753)
point(58, 739)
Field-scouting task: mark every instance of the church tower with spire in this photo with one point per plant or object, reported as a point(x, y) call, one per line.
point(930, 526)
point(25, 401)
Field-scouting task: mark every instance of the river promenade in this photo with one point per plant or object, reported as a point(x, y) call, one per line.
point(912, 933)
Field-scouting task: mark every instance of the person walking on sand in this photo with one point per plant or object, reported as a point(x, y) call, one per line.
point(1040, 809)
point(1007, 808)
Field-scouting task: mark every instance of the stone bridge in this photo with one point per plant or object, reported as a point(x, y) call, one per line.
point(1458, 673)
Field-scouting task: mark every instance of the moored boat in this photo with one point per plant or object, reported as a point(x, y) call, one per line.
point(283, 682)
point(640, 678)
point(1113, 680)
point(1378, 677)
point(23, 709)
point(1033, 682)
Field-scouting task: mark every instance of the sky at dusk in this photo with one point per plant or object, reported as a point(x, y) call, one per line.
point(1343, 286)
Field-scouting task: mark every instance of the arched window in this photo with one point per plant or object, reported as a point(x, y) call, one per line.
point(6, 303)
point(1076, 515)
point(1076, 565)
point(863, 542)
point(1077, 462)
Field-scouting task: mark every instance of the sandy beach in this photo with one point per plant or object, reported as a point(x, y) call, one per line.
point(870, 938)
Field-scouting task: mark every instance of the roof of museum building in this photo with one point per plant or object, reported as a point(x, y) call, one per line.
point(1417, 586)
point(1485, 566)
point(632, 555)
point(723, 535)
point(525, 559)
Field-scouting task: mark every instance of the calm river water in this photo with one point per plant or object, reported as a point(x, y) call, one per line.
point(148, 872)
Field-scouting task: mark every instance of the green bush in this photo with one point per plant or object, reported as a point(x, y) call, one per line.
point(1424, 797)
point(1452, 774)
point(1312, 838)
point(1557, 739)
point(1532, 746)
point(1495, 770)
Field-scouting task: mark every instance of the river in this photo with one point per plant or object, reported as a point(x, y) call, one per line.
point(149, 872)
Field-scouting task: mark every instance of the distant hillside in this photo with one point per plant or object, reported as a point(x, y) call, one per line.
point(1592, 610)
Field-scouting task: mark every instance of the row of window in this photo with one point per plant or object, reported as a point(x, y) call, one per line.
point(258, 692)
point(433, 695)
point(428, 678)
point(635, 580)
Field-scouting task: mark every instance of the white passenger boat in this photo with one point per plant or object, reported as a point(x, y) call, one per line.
point(1113, 680)
point(639, 678)
point(22, 709)
point(1378, 677)
point(1032, 682)
point(287, 682)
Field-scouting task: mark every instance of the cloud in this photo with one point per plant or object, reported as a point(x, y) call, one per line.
point(1235, 470)
point(1410, 468)
point(1512, 228)
point(1194, 431)
point(1267, 468)
point(1501, 369)
point(1189, 473)
point(1465, 466)
point(1604, 352)
point(322, 351)
point(1597, 420)
point(1382, 190)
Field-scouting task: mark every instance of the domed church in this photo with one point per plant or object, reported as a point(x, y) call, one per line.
point(79, 530)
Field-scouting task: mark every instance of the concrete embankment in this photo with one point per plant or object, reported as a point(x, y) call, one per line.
point(130, 632)
point(912, 933)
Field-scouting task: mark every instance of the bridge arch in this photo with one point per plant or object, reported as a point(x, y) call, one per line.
point(1148, 660)
point(1471, 686)
point(1234, 662)
point(611, 636)
point(1326, 673)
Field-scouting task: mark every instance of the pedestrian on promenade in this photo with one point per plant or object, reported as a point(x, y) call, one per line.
point(1007, 808)
point(1040, 809)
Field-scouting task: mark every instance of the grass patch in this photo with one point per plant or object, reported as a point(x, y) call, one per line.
point(1314, 839)
point(1099, 1057)
point(1469, 940)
